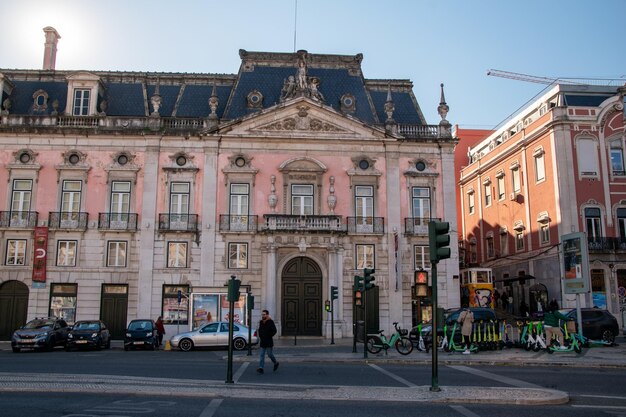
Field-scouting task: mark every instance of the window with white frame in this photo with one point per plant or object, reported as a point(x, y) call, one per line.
point(617, 158)
point(491, 251)
point(81, 102)
point(515, 179)
point(621, 223)
point(120, 200)
point(519, 240)
point(540, 167)
point(21, 196)
point(422, 257)
point(238, 255)
point(470, 202)
point(587, 155)
point(364, 256)
point(593, 222)
point(364, 201)
point(302, 199)
point(501, 187)
point(179, 198)
point(421, 204)
point(66, 253)
point(239, 206)
point(116, 253)
point(70, 199)
point(487, 194)
point(16, 252)
point(544, 233)
point(177, 254)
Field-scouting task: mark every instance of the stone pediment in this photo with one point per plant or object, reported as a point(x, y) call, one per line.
point(303, 117)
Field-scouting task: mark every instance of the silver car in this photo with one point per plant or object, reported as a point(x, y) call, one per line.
point(213, 334)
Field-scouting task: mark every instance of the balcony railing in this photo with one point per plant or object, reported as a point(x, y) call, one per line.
point(178, 222)
point(238, 223)
point(117, 221)
point(18, 219)
point(424, 131)
point(366, 225)
point(290, 222)
point(417, 225)
point(72, 220)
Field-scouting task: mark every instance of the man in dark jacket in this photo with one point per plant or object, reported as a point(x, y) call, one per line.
point(267, 330)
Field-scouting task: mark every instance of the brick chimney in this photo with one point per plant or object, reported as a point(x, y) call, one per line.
point(50, 51)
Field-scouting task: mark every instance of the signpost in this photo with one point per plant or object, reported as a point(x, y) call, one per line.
point(576, 278)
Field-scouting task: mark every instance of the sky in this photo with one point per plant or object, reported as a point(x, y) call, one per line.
point(429, 42)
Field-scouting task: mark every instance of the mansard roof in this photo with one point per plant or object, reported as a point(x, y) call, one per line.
point(186, 95)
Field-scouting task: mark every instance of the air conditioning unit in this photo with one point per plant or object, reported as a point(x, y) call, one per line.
point(512, 196)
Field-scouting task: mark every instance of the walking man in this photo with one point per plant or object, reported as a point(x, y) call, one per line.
point(267, 330)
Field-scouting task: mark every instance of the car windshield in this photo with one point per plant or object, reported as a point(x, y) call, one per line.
point(139, 325)
point(86, 326)
point(39, 324)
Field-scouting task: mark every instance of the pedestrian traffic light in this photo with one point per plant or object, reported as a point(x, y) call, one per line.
point(334, 293)
point(327, 306)
point(438, 240)
point(180, 296)
point(250, 302)
point(421, 277)
point(233, 289)
point(368, 278)
point(358, 283)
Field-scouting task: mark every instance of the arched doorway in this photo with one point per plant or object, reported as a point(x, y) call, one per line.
point(13, 307)
point(302, 298)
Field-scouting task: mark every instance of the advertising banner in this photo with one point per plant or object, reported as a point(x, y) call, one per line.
point(41, 254)
point(575, 263)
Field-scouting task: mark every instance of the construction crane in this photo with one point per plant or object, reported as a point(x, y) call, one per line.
point(546, 80)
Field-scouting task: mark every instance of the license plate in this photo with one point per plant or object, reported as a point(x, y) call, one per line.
point(138, 343)
point(81, 341)
point(28, 341)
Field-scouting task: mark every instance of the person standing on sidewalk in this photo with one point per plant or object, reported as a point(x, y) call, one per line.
point(466, 318)
point(267, 330)
point(160, 329)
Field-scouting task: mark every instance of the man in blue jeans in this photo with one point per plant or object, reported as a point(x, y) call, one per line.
point(267, 330)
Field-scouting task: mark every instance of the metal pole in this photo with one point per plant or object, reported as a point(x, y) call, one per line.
point(364, 320)
point(231, 313)
point(354, 328)
point(435, 377)
point(332, 321)
point(249, 325)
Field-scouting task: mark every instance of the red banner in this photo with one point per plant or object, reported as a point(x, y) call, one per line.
point(41, 254)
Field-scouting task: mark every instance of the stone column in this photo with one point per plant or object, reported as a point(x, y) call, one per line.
point(394, 203)
point(209, 217)
point(268, 301)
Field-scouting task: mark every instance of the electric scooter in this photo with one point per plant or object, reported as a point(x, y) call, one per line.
point(452, 346)
point(570, 343)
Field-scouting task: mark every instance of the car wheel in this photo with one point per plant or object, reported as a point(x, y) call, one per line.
point(51, 344)
point(608, 336)
point(16, 350)
point(239, 343)
point(185, 345)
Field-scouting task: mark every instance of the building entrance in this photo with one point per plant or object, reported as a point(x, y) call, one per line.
point(114, 308)
point(13, 307)
point(302, 298)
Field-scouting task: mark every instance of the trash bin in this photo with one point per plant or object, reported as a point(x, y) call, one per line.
point(360, 331)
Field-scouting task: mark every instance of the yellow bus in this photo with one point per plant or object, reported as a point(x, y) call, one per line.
point(477, 287)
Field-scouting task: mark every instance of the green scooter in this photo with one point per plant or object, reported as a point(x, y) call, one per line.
point(452, 346)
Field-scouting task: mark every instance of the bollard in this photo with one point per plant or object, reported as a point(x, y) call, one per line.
point(168, 345)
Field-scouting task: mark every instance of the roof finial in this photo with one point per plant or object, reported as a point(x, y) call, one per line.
point(214, 102)
point(156, 100)
point(390, 125)
point(443, 108)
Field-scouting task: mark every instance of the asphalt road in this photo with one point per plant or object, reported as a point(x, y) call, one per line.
point(593, 392)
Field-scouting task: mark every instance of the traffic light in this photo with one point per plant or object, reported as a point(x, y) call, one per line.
point(327, 306)
point(334, 293)
point(358, 283)
point(438, 240)
point(368, 278)
point(421, 277)
point(250, 302)
point(233, 289)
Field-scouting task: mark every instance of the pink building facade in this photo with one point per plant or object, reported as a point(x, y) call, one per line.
point(133, 195)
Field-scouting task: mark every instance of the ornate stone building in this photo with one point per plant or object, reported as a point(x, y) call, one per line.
point(139, 194)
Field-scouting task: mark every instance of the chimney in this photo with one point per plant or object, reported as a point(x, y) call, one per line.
point(50, 51)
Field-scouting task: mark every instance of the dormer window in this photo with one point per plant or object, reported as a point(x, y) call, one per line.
point(81, 102)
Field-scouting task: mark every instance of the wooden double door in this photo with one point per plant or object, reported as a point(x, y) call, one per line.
point(13, 307)
point(302, 298)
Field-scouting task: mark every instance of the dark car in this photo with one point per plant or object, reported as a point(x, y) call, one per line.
point(88, 333)
point(40, 333)
point(598, 324)
point(141, 333)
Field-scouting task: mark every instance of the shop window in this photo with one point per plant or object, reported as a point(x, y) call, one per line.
point(63, 301)
point(175, 312)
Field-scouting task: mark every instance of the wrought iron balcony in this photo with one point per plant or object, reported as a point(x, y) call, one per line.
point(366, 225)
point(18, 219)
point(238, 223)
point(602, 244)
point(71, 220)
point(295, 223)
point(178, 222)
point(417, 225)
point(117, 221)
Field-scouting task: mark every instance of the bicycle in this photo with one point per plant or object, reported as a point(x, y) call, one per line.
point(377, 342)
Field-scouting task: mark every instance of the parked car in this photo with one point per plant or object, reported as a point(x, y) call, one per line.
point(598, 324)
point(213, 334)
point(88, 333)
point(141, 333)
point(40, 333)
